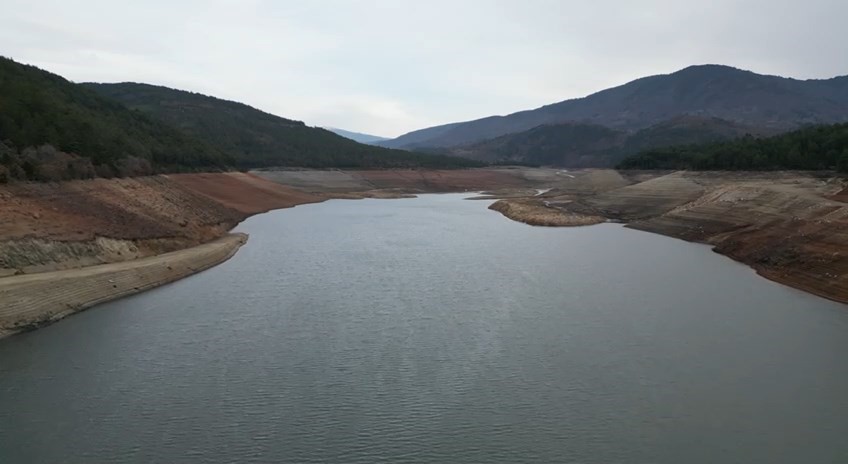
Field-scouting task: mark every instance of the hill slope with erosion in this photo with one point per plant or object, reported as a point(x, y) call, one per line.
point(63, 225)
point(50, 226)
point(792, 227)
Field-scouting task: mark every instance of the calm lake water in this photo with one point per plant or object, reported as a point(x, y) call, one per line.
point(432, 330)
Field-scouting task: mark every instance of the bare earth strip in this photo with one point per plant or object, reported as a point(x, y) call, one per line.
point(536, 214)
point(791, 227)
point(30, 301)
point(81, 243)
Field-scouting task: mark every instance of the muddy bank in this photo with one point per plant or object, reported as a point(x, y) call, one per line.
point(792, 227)
point(48, 227)
point(67, 246)
point(540, 214)
point(411, 181)
point(31, 301)
point(53, 226)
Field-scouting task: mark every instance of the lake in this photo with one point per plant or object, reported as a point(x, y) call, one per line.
point(432, 330)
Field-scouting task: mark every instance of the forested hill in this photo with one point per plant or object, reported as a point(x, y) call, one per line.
point(52, 129)
point(812, 148)
point(580, 145)
point(88, 135)
point(259, 139)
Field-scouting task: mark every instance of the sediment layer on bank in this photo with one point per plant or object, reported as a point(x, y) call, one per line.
point(792, 227)
point(411, 180)
point(70, 245)
point(30, 301)
point(54, 226)
point(536, 214)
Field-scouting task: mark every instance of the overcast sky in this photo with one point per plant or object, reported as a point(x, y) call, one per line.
point(390, 66)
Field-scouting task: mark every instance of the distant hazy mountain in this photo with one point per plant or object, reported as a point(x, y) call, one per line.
point(255, 138)
point(767, 102)
point(593, 145)
point(357, 136)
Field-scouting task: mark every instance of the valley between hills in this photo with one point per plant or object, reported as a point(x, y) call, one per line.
point(110, 189)
point(89, 241)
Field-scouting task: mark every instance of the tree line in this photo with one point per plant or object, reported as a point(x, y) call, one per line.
point(813, 148)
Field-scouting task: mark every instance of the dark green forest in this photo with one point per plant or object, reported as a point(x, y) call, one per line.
point(52, 129)
point(259, 139)
point(582, 145)
point(812, 148)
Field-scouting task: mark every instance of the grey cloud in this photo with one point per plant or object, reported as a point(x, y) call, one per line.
point(389, 66)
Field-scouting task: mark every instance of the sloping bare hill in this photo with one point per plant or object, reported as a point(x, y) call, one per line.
point(45, 227)
point(588, 182)
point(732, 204)
point(445, 181)
point(645, 199)
point(842, 196)
point(137, 208)
point(789, 226)
point(412, 180)
point(789, 232)
point(246, 193)
point(316, 181)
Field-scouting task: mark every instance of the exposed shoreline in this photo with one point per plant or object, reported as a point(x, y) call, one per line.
point(540, 214)
point(791, 228)
point(35, 300)
point(536, 215)
point(68, 246)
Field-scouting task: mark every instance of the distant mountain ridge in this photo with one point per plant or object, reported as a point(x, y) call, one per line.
point(714, 91)
point(357, 136)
